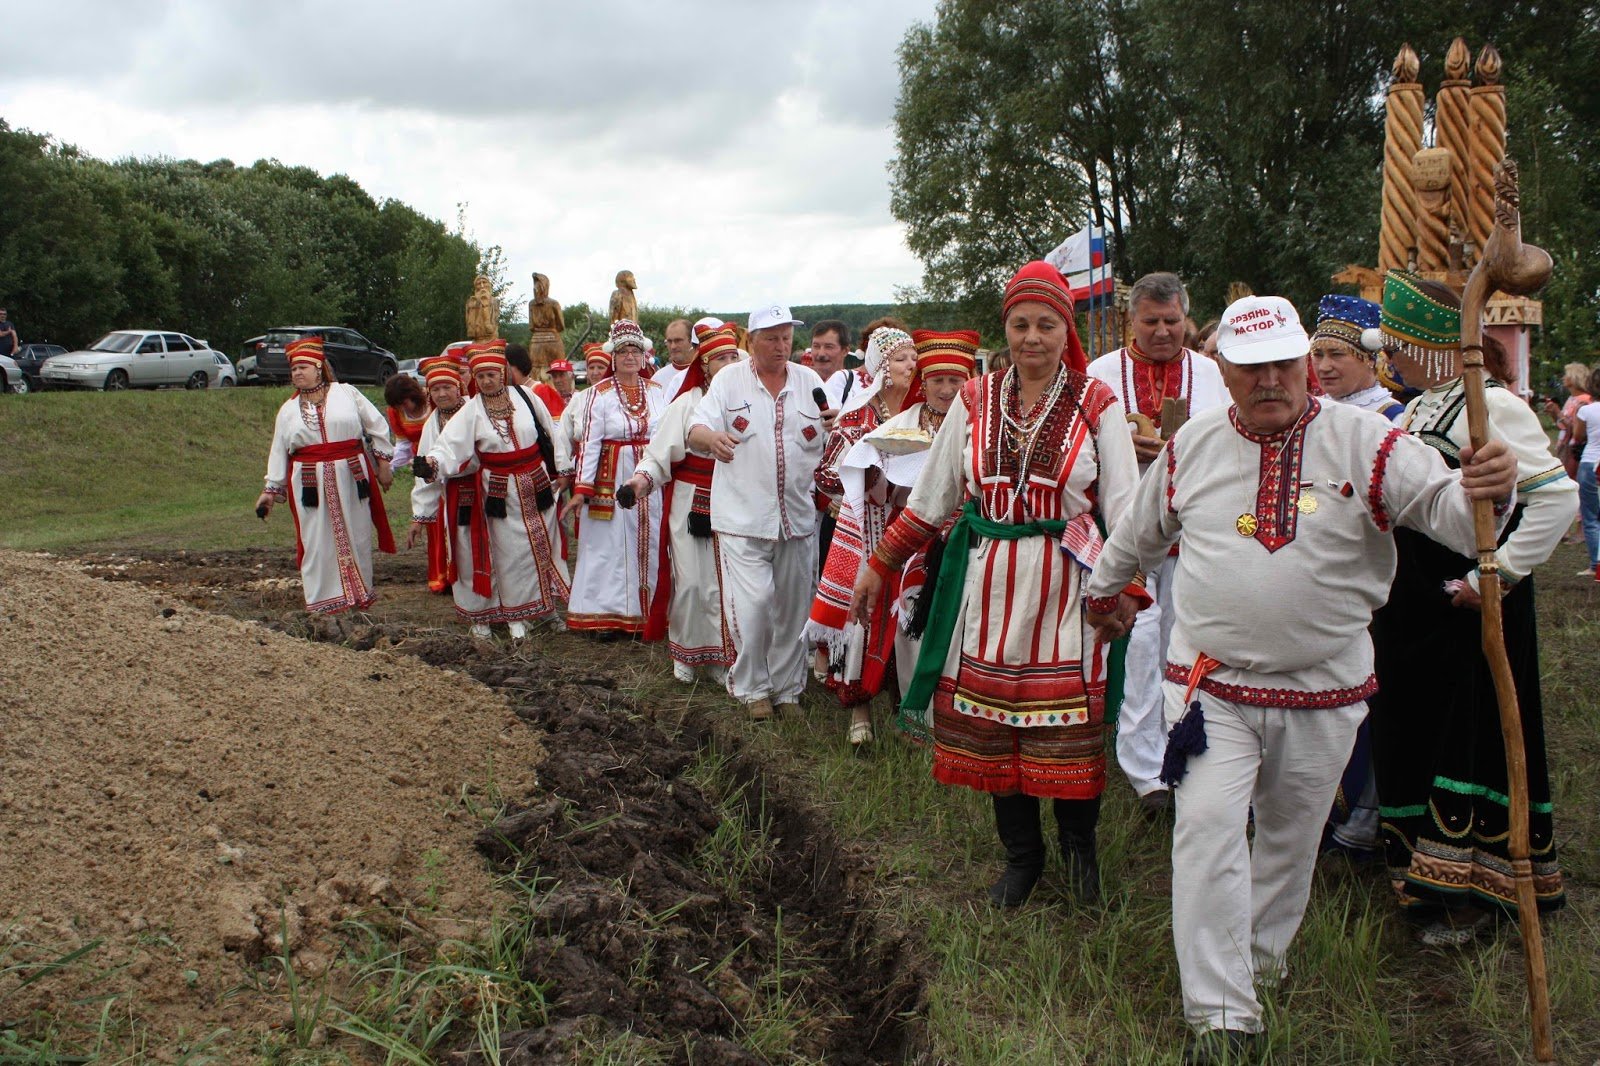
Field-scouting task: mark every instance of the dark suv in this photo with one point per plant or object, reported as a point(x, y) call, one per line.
point(354, 358)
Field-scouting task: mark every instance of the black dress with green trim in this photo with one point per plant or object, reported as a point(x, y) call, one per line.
point(1437, 747)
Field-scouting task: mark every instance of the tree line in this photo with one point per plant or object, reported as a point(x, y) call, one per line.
point(1228, 140)
point(220, 251)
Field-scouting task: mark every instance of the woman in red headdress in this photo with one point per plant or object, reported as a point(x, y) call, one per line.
point(321, 466)
point(1036, 458)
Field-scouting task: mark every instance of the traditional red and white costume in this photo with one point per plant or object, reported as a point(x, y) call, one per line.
point(687, 609)
point(320, 463)
point(1141, 385)
point(509, 564)
point(444, 503)
point(858, 659)
point(618, 548)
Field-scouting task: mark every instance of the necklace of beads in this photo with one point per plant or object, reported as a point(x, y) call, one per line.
point(632, 399)
point(928, 419)
point(1023, 432)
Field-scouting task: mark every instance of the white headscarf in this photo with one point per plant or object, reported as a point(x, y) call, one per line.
point(884, 340)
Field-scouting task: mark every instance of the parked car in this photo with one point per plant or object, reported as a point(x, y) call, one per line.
point(134, 358)
point(12, 378)
point(223, 376)
point(30, 357)
point(408, 367)
point(354, 358)
point(246, 362)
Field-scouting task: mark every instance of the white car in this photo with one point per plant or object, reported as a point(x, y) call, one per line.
point(134, 359)
point(11, 377)
point(223, 376)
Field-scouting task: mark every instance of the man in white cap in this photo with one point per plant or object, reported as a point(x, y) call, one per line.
point(1285, 506)
point(761, 421)
point(1154, 368)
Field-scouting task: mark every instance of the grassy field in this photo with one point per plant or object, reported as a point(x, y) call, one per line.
point(170, 469)
point(1051, 983)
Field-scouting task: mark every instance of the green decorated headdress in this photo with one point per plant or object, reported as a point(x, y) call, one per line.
point(1426, 329)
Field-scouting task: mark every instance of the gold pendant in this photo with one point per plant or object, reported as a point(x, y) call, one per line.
point(1246, 525)
point(1307, 503)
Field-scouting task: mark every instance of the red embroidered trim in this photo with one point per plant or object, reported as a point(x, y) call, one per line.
point(1172, 474)
point(905, 536)
point(1380, 515)
point(1294, 699)
point(1281, 457)
point(1139, 383)
point(1100, 604)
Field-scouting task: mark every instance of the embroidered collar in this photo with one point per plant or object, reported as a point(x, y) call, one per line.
point(1312, 407)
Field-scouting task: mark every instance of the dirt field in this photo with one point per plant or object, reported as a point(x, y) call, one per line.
point(185, 785)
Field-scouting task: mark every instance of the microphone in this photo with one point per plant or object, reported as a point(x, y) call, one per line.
point(820, 397)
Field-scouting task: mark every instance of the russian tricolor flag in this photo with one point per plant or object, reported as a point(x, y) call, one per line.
point(1082, 258)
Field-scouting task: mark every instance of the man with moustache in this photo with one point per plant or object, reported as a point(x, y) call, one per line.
point(680, 351)
point(1286, 505)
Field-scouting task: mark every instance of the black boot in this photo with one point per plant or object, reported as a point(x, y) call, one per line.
point(1017, 820)
point(1075, 824)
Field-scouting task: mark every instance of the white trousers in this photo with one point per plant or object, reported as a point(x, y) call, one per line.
point(767, 586)
point(1141, 732)
point(1235, 907)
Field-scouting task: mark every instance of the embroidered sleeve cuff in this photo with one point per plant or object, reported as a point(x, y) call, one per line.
point(277, 491)
point(650, 482)
point(422, 519)
point(1101, 604)
point(583, 490)
point(1136, 589)
point(905, 536)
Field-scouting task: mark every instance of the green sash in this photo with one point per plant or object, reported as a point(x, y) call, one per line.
point(947, 604)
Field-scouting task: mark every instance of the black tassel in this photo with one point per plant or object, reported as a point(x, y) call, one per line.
point(464, 514)
point(363, 489)
point(1186, 738)
point(626, 497)
point(699, 524)
point(495, 507)
point(308, 495)
point(922, 606)
point(545, 498)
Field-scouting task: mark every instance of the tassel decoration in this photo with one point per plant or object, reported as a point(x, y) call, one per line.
point(494, 507)
point(1186, 738)
point(923, 605)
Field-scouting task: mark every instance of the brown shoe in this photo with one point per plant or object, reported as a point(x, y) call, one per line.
point(1156, 804)
point(759, 710)
point(788, 710)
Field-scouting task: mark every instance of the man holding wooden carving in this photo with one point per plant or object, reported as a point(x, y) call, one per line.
point(1161, 384)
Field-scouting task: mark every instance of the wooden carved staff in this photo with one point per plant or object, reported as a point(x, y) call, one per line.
point(1509, 266)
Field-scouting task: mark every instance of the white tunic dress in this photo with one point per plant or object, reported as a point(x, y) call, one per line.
point(335, 536)
point(695, 634)
point(618, 550)
point(526, 577)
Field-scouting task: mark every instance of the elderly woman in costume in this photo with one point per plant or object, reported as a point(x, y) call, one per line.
point(884, 466)
point(618, 551)
point(438, 506)
point(321, 465)
point(859, 657)
point(511, 571)
point(687, 608)
point(1033, 457)
point(1437, 746)
point(1348, 358)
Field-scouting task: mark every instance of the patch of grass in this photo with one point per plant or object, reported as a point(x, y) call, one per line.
point(1056, 983)
point(174, 469)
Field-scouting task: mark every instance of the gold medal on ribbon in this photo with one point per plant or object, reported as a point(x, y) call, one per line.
point(1307, 503)
point(1246, 525)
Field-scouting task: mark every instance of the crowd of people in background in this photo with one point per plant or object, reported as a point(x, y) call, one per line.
point(1241, 557)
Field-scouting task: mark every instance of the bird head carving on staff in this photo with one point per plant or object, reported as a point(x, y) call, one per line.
point(1514, 268)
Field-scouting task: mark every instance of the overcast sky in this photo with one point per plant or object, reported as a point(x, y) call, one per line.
point(727, 153)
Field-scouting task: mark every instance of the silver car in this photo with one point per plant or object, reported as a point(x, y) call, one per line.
point(12, 378)
point(134, 359)
point(223, 376)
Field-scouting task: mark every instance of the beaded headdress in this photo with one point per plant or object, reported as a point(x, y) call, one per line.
point(1426, 329)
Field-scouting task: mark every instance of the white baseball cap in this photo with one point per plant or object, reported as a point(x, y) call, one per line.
point(770, 315)
point(1261, 329)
